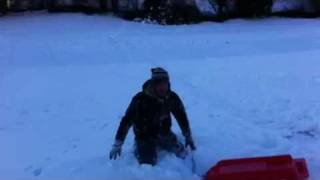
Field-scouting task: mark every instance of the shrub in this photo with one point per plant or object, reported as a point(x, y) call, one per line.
point(165, 12)
point(316, 5)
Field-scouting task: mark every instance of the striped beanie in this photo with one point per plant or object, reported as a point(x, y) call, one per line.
point(159, 73)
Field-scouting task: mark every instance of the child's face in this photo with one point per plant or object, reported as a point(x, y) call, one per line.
point(162, 88)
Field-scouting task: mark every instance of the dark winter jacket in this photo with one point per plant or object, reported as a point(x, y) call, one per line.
point(150, 115)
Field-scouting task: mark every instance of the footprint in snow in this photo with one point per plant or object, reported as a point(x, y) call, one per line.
point(37, 172)
point(47, 159)
point(104, 126)
point(74, 146)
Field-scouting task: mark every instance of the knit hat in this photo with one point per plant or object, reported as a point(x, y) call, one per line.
point(159, 73)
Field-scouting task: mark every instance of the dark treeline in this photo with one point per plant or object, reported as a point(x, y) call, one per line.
point(169, 11)
point(226, 9)
point(57, 5)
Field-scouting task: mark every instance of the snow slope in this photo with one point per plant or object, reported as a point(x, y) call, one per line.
point(250, 88)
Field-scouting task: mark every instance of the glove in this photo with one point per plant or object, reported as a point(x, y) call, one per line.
point(190, 143)
point(116, 150)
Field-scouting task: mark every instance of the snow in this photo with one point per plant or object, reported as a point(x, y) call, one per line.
point(251, 88)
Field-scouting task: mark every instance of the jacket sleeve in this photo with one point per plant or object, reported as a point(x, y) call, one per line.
point(127, 119)
point(180, 114)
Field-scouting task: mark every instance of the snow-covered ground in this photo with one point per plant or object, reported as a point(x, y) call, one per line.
point(251, 87)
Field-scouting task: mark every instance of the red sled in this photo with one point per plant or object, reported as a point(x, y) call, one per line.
point(282, 167)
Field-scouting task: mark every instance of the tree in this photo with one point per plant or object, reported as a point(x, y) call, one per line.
point(103, 5)
point(250, 8)
point(316, 6)
point(222, 9)
point(115, 6)
point(3, 7)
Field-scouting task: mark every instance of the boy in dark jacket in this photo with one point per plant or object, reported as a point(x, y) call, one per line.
point(149, 114)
